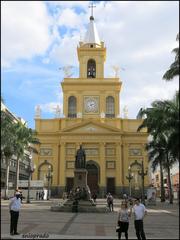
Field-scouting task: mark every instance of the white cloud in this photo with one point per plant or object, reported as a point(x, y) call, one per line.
point(144, 96)
point(69, 4)
point(64, 52)
point(152, 51)
point(50, 107)
point(69, 18)
point(139, 36)
point(25, 30)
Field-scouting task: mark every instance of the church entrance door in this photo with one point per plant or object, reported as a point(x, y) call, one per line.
point(92, 177)
point(111, 185)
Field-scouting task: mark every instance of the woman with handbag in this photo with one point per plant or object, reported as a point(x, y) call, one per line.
point(123, 220)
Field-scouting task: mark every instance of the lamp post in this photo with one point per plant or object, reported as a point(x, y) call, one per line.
point(129, 178)
point(142, 174)
point(49, 177)
point(30, 171)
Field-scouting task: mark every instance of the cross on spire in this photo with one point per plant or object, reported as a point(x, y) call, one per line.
point(92, 6)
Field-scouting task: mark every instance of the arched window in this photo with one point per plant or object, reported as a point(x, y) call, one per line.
point(91, 69)
point(110, 111)
point(72, 107)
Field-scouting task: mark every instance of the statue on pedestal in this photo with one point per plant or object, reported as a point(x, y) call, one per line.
point(80, 161)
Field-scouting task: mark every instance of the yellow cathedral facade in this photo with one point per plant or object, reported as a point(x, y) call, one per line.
point(91, 108)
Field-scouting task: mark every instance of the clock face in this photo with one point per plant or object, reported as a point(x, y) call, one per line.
point(91, 105)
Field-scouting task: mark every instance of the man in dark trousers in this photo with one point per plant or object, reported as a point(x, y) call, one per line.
point(14, 208)
point(139, 213)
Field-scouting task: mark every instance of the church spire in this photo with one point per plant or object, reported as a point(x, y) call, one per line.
point(92, 35)
point(92, 6)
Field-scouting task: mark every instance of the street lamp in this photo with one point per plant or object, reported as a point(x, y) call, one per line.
point(49, 177)
point(129, 178)
point(30, 170)
point(142, 174)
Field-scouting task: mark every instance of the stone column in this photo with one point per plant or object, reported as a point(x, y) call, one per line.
point(65, 109)
point(59, 168)
point(102, 170)
point(125, 167)
point(122, 170)
point(62, 167)
point(116, 99)
point(118, 169)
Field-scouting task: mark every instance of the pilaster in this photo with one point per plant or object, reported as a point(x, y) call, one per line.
point(118, 165)
point(103, 165)
point(62, 165)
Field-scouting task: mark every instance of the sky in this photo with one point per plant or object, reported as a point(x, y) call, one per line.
point(39, 38)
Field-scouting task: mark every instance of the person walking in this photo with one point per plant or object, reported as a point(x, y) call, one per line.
point(139, 213)
point(110, 202)
point(42, 195)
point(21, 196)
point(94, 196)
point(37, 195)
point(123, 219)
point(14, 208)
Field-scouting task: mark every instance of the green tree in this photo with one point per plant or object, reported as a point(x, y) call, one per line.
point(156, 156)
point(162, 122)
point(24, 137)
point(7, 144)
point(173, 71)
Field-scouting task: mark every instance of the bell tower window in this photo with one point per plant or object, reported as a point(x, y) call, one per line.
point(110, 108)
point(72, 107)
point(91, 69)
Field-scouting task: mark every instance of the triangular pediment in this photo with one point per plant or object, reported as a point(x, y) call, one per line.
point(91, 127)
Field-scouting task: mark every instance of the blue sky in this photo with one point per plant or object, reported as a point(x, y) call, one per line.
point(40, 37)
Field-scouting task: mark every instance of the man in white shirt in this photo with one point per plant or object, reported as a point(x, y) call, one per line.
point(139, 213)
point(14, 208)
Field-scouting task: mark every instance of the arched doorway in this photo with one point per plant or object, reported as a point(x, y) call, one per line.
point(43, 171)
point(93, 176)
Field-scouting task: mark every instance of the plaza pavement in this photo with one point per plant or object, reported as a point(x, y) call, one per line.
point(162, 222)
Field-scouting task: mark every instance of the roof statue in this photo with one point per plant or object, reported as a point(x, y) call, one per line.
point(67, 71)
point(116, 71)
point(125, 111)
point(37, 111)
point(57, 112)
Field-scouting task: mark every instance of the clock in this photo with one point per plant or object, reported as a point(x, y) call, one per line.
point(91, 104)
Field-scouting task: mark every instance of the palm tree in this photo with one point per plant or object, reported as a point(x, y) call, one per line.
point(7, 144)
point(174, 68)
point(171, 124)
point(24, 136)
point(162, 122)
point(156, 155)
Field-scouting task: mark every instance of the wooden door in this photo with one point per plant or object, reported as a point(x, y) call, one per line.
point(111, 185)
point(92, 178)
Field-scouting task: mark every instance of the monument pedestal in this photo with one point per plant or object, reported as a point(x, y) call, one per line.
point(80, 178)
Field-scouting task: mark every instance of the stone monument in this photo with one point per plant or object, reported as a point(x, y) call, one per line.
point(79, 198)
point(80, 176)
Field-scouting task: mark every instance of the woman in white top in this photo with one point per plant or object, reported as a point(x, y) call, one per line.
point(123, 219)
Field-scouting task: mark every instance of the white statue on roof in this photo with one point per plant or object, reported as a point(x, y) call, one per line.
point(57, 112)
point(116, 70)
point(38, 111)
point(125, 111)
